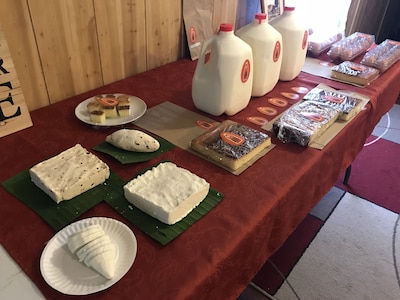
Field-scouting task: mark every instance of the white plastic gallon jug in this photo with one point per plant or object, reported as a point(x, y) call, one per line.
point(266, 43)
point(223, 83)
point(294, 38)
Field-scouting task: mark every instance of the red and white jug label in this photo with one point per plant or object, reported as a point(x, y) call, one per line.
point(305, 40)
point(277, 51)
point(245, 71)
point(192, 35)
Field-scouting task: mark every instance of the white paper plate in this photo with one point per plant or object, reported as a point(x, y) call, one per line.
point(138, 108)
point(62, 270)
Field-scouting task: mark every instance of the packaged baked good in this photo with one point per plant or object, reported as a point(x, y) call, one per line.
point(346, 105)
point(304, 122)
point(383, 56)
point(351, 72)
point(351, 46)
point(231, 144)
point(320, 42)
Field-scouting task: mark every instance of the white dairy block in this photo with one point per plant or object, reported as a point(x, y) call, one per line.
point(69, 173)
point(167, 192)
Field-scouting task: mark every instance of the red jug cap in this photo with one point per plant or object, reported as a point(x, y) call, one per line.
point(226, 27)
point(260, 17)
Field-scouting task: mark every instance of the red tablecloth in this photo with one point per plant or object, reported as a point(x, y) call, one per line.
point(217, 256)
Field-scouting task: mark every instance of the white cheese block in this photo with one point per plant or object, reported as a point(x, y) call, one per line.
point(167, 192)
point(133, 140)
point(69, 173)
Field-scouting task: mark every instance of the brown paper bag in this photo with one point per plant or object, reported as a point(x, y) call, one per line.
point(197, 16)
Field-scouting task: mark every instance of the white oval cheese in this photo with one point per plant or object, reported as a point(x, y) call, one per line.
point(133, 140)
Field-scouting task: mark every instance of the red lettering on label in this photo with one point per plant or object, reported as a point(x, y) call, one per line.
point(333, 99)
point(277, 51)
point(358, 68)
point(204, 124)
point(192, 35)
point(305, 39)
point(280, 102)
point(266, 110)
point(232, 138)
point(257, 120)
point(245, 71)
point(313, 116)
point(107, 101)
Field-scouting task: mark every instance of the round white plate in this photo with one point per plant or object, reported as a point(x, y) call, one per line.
point(62, 270)
point(138, 108)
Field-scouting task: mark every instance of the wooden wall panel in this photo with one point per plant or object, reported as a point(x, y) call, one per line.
point(164, 32)
point(224, 12)
point(18, 30)
point(62, 48)
point(66, 36)
point(121, 28)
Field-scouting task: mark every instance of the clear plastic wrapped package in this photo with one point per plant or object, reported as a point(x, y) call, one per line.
point(318, 43)
point(231, 144)
point(346, 105)
point(383, 56)
point(356, 73)
point(351, 46)
point(304, 122)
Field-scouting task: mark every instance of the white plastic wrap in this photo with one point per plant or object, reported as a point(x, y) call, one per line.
point(383, 56)
point(352, 46)
point(318, 43)
point(304, 122)
point(347, 106)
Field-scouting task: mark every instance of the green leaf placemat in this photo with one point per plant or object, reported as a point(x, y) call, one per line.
point(64, 213)
point(160, 231)
point(127, 157)
point(156, 229)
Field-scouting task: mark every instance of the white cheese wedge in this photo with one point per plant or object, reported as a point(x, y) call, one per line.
point(69, 174)
point(133, 140)
point(98, 242)
point(167, 192)
point(104, 262)
point(95, 249)
point(84, 236)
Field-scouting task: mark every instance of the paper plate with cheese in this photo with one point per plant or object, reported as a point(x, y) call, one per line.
point(63, 271)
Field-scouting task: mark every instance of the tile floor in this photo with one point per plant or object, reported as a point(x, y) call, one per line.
point(14, 284)
point(389, 129)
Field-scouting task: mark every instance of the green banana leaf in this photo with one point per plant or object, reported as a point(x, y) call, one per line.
point(128, 157)
point(160, 231)
point(64, 213)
